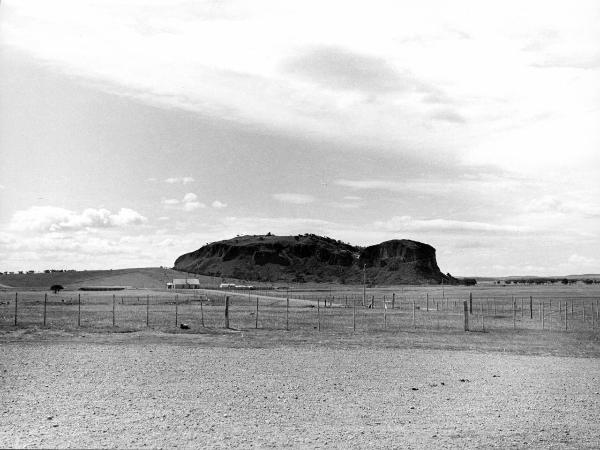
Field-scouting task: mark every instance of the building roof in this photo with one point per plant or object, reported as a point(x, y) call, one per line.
point(186, 281)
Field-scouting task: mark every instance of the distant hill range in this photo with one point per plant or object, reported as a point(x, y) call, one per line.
point(312, 258)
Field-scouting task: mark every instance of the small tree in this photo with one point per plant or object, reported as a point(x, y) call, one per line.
point(56, 288)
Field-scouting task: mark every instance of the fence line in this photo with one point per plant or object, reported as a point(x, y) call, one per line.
point(336, 313)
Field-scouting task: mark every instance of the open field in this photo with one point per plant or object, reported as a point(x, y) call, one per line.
point(344, 375)
point(150, 389)
point(336, 308)
point(141, 278)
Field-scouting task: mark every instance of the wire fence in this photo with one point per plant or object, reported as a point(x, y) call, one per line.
point(318, 311)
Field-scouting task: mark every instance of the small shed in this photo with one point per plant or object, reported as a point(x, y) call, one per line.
point(184, 283)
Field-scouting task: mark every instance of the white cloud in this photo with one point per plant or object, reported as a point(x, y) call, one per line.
point(296, 199)
point(553, 204)
point(51, 219)
point(407, 223)
point(218, 205)
point(190, 197)
point(191, 206)
point(189, 202)
point(179, 180)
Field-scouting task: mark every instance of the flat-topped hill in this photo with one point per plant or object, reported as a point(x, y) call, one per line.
point(309, 257)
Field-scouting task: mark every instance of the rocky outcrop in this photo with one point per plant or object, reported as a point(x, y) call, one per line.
point(315, 258)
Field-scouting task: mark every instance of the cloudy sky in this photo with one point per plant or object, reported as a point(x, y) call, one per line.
point(134, 131)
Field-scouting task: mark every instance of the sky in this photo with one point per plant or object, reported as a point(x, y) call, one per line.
point(134, 131)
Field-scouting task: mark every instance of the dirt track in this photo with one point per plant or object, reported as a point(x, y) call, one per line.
point(124, 392)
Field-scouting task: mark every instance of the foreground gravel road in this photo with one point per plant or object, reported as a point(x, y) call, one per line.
point(132, 394)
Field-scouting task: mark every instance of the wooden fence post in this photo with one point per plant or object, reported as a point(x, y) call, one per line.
point(427, 304)
point(113, 311)
point(354, 314)
point(226, 311)
point(201, 314)
point(466, 314)
point(470, 303)
point(566, 314)
point(318, 315)
point(514, 314)
point(256, 321)
point(287, 313)
point(413, 315)
point(531, 307)
point(176, 309)
point(393, 300)
point(45, 302)
point(384, 315)
point(78, 310)
point(147, 311)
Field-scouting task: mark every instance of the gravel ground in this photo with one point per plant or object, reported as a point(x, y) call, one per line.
point(130, 393)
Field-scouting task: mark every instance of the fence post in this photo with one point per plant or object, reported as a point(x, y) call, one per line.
point(427, 303)
point(466, 314)
point(45, 301)
point(78, 310)
point(227, 311)
point(566, 314)
point(514, 313)
point(287, 313)
point(384, 315)
point(16, 307)
point(318, 315)
point(201, 314)
point(354, 314)
point(413, 316)
point(531, 307)
point(470, 303)
point(176, 308)
point(393, 300)
point(256, 323)
point(113, 310)
point(147, 311)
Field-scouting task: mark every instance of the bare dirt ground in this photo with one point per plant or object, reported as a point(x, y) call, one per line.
point(276, 389)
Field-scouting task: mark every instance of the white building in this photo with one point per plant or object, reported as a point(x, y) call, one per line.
point(184, 283)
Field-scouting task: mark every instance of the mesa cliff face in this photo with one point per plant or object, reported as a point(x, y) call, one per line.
point(315, 258)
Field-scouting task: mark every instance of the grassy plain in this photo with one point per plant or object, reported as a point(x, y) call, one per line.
point(341, 375)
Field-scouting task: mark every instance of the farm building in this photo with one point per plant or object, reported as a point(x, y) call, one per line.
point(184, 283)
